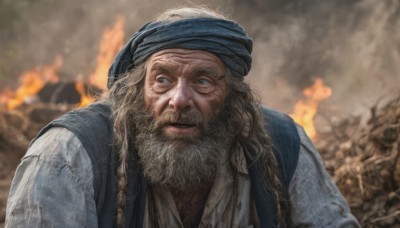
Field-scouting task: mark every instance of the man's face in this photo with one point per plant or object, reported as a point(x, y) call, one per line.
point(182, 124)
point(182, 87)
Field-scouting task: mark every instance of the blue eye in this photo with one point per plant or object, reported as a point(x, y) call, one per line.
point(204, 85)
point(162, 80)
point(203, 82)
point(162, 83)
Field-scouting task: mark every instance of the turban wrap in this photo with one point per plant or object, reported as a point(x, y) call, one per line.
point(224, 38)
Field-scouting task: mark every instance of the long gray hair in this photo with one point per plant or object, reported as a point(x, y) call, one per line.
point(247, 121)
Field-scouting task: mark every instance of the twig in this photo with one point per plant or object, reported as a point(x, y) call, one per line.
point(396, 213)
point(396, 152)
point(360, 180)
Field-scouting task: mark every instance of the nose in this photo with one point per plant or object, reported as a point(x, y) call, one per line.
point(181, 97)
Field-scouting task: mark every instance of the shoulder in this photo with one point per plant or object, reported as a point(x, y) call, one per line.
point(57, 154)
point(310, 163)
point(54, 170)
point(285, 140)
point(95, 116)
point(92, 125)
point(60, 147)
point(279, 124)
point(314, 197)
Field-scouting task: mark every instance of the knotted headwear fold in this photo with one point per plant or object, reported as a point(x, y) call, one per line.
point(224, 38)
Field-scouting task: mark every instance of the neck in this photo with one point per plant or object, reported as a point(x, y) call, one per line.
point(190, 205)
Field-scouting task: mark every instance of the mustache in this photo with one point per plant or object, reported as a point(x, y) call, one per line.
point(191, 117)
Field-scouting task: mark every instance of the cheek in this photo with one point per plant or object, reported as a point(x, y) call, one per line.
point(220, 96)
point(155, 102)
point(210, 107)
point(149, 96)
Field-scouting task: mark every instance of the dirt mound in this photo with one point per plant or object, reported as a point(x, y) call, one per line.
point(364, 162)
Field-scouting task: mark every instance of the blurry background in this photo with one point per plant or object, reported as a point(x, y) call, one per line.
point(354, 45)
point(349, 50)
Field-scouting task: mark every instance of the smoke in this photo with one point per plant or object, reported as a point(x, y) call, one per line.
point(354, 45)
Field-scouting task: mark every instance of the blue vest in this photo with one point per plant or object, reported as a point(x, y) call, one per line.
point(94, 128)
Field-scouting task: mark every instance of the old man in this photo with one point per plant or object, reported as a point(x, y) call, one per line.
point(179, 142)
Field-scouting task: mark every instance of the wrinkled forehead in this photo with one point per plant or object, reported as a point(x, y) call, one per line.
point(194, 61)
point(185, 56)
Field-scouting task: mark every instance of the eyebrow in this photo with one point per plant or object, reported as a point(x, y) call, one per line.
point(163, 68)
point(209, 71)
point(197, 70)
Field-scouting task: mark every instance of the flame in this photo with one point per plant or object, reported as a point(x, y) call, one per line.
point(86, 99)
point(30, 83)
point(111, 42)
point(6, 95)
point(305, 109)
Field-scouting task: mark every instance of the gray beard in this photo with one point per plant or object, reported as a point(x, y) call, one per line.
point(179, 162)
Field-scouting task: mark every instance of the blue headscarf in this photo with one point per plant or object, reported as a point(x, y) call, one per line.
point(224, 38)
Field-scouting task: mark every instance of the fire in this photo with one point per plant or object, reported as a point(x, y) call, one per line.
point(86, 99)
point(30, 83)
point(305, 109)
point(111, 42)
